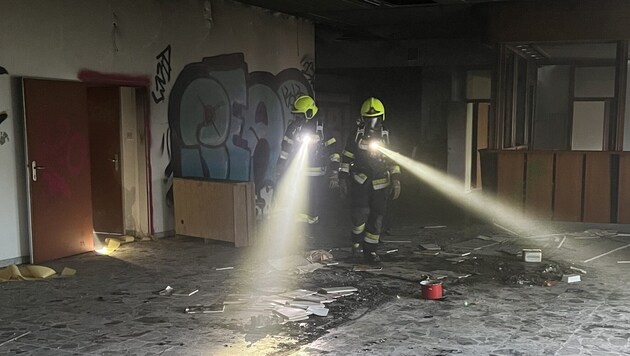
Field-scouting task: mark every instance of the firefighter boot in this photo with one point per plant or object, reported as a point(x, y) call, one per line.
point(356, 246)
point(369, 253)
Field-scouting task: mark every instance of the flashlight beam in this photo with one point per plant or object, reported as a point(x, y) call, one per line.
point(486, 207)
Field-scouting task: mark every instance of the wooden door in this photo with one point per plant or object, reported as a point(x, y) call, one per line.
point(59, 164)
point(105, 157)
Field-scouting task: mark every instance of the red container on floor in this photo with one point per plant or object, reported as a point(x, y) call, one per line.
point(431, 289)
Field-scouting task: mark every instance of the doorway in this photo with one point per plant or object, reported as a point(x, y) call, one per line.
point(87, 164)
point(478, 114)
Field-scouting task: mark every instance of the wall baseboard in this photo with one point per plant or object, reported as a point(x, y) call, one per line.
point(163, 234)
point(15, 261)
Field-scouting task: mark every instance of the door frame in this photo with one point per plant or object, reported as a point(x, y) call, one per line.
point(142, 84)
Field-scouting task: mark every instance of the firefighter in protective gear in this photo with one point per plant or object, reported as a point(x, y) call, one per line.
point(371, 177)
point(321, 159)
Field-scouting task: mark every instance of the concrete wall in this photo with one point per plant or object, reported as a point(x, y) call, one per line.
point(151, 39)
point(13, 225)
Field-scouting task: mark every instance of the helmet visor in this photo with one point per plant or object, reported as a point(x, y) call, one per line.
point(373, 122)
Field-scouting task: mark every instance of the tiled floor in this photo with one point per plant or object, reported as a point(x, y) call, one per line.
point(110, 307)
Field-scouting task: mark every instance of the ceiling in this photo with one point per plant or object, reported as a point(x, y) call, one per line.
point(387, 19)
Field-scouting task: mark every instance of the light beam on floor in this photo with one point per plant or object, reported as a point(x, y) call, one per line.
point(506, 216)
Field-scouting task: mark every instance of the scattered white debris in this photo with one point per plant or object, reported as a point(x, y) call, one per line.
point(392, 251)
point(223, 268)
point(185, 294)
point(166, 291)
point(335, 290)
point(15, 338)
point(319, 256)
point(291, 314)
point(562, 242)
point(607, 253)
point(532, 255)
point(571, 278)
point(431, 247)
point(578, 269)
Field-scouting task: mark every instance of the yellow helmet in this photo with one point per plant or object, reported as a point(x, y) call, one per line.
point(372, 107)
point(305, 105)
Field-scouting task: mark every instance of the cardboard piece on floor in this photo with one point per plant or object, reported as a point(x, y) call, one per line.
point(304, 304)
point(319, 311)
point(126, 239)
point(68, 272)
point(36, 272)
point(320, 298)
point(112, 245)
point(27, 272)
point(291, 314)
point(11, 272)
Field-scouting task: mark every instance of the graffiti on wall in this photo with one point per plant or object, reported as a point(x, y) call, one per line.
point(226, 123)
point(162, 74)
point(4, 137)
point(308, 68)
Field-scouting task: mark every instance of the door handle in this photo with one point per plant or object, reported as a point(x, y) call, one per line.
point(34, 169)
point(115, 161)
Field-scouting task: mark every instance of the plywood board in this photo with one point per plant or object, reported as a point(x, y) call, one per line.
point(539, 185)
point(204, 209)
point(568, 186)
point(510, 177)
point(597, 188)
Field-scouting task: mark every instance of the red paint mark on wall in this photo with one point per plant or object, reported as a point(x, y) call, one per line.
point(125, 80)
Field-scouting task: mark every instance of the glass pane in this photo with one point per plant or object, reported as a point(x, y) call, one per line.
point(520, 114)
point(588, 125)
point(594, 82)
point(551, 119)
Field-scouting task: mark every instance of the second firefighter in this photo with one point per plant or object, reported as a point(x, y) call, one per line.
point(370, 177)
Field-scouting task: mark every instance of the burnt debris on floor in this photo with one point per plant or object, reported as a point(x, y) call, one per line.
point(181, 296)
